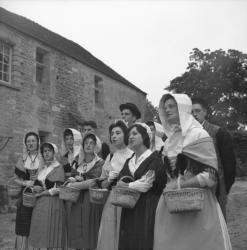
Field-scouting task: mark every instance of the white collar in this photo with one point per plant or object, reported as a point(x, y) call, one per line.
point(133, 164)
point(84, 167)
point(45, 171)
point(32, 162)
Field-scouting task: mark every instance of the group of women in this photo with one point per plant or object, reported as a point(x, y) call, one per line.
point(187, 153)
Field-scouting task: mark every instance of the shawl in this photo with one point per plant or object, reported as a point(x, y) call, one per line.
point(188, 137)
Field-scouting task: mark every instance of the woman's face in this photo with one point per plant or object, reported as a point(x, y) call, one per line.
point(135, 138)
point(69, 142)
point(117, 137)
point(171, 111)
point(32, 143)
point(89, 146)
point(48, 154)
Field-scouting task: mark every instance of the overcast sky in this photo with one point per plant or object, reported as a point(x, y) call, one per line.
point(147, 42)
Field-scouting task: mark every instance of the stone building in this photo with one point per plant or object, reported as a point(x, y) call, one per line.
point(49, 83)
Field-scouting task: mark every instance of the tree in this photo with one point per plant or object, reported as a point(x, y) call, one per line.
point(151, 112)
point(220, 78)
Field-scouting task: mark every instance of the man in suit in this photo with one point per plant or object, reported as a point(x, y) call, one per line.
point(224, 150)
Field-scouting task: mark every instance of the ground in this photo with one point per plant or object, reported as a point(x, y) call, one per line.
point(236, 214)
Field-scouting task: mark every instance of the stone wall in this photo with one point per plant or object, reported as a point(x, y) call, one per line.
point(64, 99)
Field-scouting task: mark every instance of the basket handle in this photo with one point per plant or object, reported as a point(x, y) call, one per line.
point(65, 183)
point(179, 182)
point(127, 177)
point(26, 189)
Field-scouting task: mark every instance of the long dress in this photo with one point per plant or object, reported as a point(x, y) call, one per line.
point(137, 224)
point(84, 218)
point(189, 151)
point(110, 220)
point(24, 214)
point(48, 225)
point(204, 230)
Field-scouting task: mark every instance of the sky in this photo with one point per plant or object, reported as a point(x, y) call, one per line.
point(147, 42)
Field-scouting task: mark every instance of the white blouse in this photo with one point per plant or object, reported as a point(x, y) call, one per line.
point(134, 164)
point(117, 161)
point(146, 181)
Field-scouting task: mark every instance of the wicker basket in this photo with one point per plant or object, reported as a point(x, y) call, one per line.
point(123, 196)
point(14, 189)
point(28, 198)
point(184, 200)
point(68, 193)
point(98, 195)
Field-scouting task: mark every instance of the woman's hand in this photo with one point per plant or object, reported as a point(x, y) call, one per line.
point(45, 192)
point(54, 191)
point(82, 184)
point(122, 184)
point(72, 179)
point(91, 182)
point(37, 189)
point(79, 178)
point(28, 183)
point(113, 175)
point(71, 184)
point(172, 185)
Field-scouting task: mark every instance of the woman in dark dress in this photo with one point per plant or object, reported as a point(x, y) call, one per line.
point(26, 171)
point(137, 224)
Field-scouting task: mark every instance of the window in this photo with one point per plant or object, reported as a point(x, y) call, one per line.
point(98, 92)
point(5, 62)
point(40, 65)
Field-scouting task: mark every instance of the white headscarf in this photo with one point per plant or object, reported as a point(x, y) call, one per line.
point(96, 149)
point(144, 125)
point(189, 130)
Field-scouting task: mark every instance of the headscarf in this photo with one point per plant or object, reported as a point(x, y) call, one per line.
point(144, 125)
point(188, 137)
point(83, 166)
point(28, 162)
point(76, 146)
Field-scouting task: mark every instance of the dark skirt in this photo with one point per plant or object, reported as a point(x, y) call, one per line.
point(84, 222)
point(48, 226)
point(23, 219)
point(137, 224)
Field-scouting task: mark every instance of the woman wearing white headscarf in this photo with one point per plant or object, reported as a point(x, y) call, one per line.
point(26, 171)
point(84, 219)
point(48, 225)
point(188, 150)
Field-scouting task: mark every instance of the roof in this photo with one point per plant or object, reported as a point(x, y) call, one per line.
point(61, 44)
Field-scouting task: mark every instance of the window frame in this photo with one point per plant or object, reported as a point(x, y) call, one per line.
point(98, 92)
point(2, 72)
point(40, 64)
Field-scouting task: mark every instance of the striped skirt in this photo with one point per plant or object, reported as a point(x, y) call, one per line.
point(48, 224)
